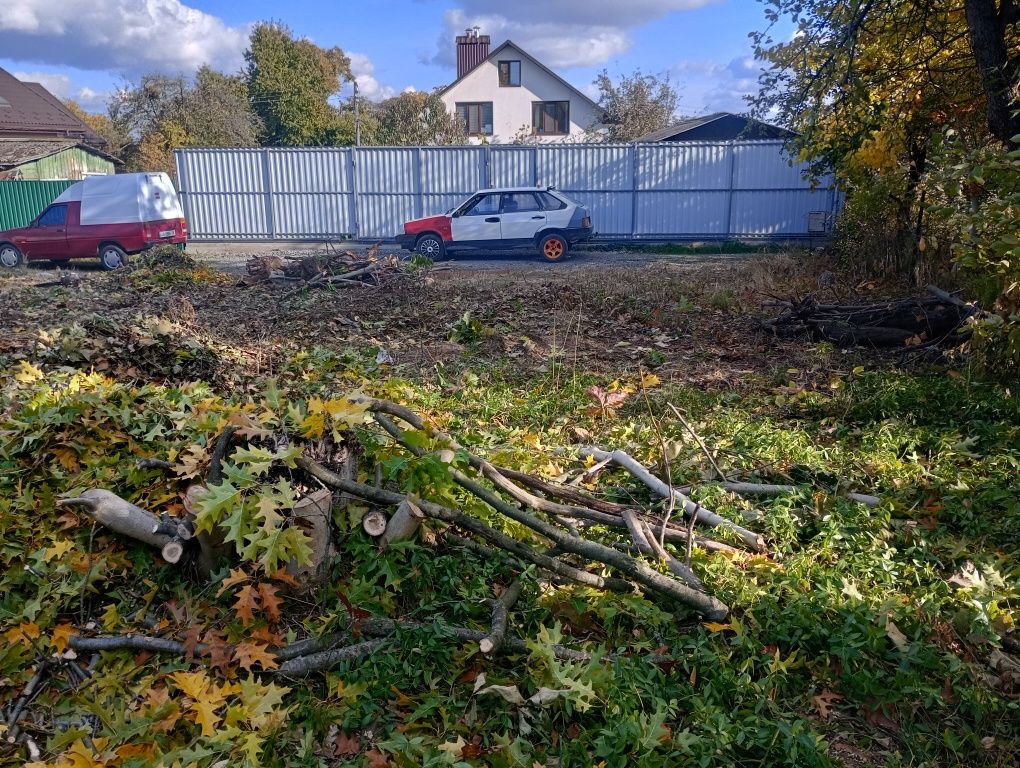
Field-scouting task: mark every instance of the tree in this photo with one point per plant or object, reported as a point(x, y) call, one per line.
point(217, 112)
point(115, 136)
point(634, 106)
point(416, 118)
point(290, 84)
point(162, 113)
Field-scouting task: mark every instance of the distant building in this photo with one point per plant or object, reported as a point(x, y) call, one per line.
point(508, 94)
point(40, 138)
point(719, 126)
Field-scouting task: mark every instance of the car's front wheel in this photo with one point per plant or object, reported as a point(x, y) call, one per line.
point(10, 256)
point(430, 246)
point(554, 247)
point(112, 257)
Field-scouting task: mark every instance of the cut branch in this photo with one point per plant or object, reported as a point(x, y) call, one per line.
point(501, 606)
point(660, 488)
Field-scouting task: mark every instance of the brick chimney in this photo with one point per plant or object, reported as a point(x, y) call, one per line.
point(472, 50)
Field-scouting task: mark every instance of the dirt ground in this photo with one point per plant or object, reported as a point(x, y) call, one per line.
point(689, 319)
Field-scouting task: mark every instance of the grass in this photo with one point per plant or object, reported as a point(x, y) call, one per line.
point(868, 637)
point(706, 248)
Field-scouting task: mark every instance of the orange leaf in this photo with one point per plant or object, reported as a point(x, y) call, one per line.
point(247, 602)
point(237, 576)
point(280, 574)
point(270, 602)
point(246, 654)
point(60, 635)
point(23, 634)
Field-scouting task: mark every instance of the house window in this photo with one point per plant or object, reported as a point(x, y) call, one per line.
point(550, 118)
point(476, 117)
point(509, 74)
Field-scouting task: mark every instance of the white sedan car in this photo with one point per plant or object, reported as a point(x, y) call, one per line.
point(498, 219)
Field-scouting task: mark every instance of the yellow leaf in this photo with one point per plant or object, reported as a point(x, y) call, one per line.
point(66, 457)
point(712, 626)
point(59, 549)
point(650, 380)
point(313, 425)
point(205, 715)
point(110, 618)
point(26, 373)
point(194, 685)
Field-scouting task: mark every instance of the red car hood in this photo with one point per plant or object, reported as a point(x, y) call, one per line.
point(418, 225)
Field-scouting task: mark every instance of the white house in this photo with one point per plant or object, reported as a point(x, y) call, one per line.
point(508, 94)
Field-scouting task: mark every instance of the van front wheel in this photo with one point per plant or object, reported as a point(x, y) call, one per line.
point(112, 257)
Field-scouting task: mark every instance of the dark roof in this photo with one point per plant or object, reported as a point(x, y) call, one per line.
point(751, 128)
point(30, 108)
point(15, 152)
point(532, 59)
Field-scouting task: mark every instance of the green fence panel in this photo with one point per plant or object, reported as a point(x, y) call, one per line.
point(22, 201)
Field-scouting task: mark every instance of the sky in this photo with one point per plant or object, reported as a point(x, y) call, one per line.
point(85, 49)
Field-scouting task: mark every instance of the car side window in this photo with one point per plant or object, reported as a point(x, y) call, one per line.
point(520, 202)
point(551, 202)
point(54, 216)
point(487, 205)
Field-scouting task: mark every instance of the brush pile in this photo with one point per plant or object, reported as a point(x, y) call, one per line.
point(336, 268)
point(934, 320)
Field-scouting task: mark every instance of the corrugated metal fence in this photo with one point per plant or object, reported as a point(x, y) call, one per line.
point(22, 201)
point(696, 190)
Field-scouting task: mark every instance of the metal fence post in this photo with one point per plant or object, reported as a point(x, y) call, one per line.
point(487, 167)
point(534, 165)
point(729, 191)
point(633, 189)
point(182, 189)
point(352, 177)
point(267, 185)
point(419, 202)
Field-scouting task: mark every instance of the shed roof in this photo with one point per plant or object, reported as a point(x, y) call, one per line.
point(685, 126)
point(15, 152)
point(30, 108)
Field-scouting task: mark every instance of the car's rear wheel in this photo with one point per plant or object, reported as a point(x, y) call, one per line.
point(112, 257)
point(430, 246)
point(10, 256)
point(554, 247)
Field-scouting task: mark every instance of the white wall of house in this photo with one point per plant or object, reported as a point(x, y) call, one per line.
point(512, 105)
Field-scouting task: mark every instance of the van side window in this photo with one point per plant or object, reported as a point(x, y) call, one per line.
point(55, 216)
point(551, 202)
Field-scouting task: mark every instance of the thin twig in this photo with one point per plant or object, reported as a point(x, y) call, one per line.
point(701, 443)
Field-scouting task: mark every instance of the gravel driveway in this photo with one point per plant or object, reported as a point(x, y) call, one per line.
point(231, 257)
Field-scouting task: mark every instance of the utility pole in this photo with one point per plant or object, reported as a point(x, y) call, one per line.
point(357, 117)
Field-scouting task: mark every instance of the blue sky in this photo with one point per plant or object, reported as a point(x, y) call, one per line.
point(84, 49)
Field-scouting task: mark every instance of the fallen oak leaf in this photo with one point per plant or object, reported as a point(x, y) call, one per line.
point(246, 604)
point(823, 702)
point(270, 601)
point(235, 577)
point(246, 654)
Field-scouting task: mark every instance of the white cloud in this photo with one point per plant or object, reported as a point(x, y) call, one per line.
point(714, 86)
point(63, 87)
point(364, 74)
point(126, 37)
point(560, 33)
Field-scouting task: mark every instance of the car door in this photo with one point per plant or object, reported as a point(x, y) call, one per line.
point(478, 224)
point(46, 238)
point(521, 216)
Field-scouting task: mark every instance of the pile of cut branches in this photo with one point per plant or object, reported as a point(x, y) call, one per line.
point(930, 321)
point(335, 268)
point(529, 523)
